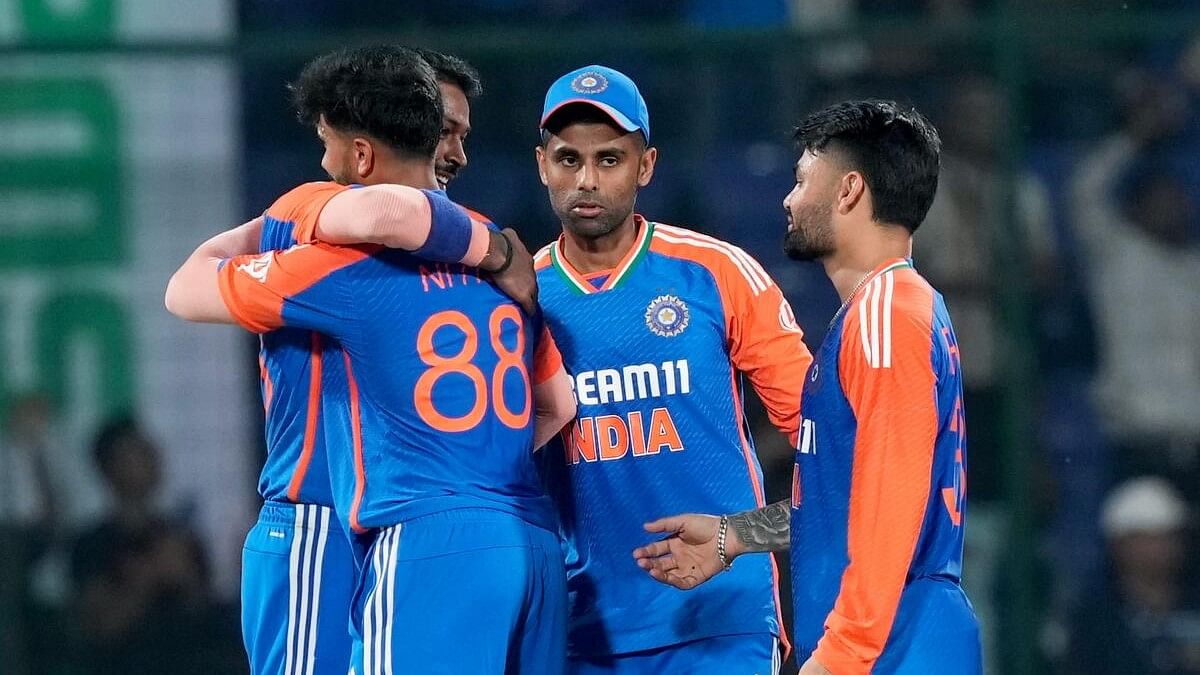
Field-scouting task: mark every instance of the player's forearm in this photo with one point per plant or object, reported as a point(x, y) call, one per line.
point(405, 218)
point(243, 239)
point(765, 529)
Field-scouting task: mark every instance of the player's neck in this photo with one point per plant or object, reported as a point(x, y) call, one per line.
point(852, 264)
point(412, 174)
point(598, 254)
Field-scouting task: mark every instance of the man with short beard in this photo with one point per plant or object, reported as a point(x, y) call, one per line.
point(875, 522)
point(460, 84)
point(657, 325)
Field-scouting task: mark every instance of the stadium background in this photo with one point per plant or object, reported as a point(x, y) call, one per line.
point(132, 129)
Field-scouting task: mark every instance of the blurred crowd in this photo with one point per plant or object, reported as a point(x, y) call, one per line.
point(1089, 175)
point(97, 573)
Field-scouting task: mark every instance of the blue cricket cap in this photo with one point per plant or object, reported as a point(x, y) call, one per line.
point(609, 90)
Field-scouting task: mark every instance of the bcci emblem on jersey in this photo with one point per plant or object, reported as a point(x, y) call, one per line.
point(589, 82)
point(667, 316)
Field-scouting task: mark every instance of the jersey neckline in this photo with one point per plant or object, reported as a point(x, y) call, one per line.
point(579, 281)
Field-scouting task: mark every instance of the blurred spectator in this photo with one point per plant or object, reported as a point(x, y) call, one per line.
point(1147, 618)
point(44, 497)
point(145, 605)
point(1136, 222)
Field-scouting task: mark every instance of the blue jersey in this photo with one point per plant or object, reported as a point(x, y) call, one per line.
point(436, 411)
point(656, 349)
point(291, 362)
point(879, 488)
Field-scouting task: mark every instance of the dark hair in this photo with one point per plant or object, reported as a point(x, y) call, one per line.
point(452, 70)
point(579, 113)
point(115, 430)
point(386, 92)
point(896, 150)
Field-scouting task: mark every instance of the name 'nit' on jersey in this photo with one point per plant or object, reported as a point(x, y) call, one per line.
point(656, 350)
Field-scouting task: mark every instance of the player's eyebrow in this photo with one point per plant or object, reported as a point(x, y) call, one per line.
point(565, 151)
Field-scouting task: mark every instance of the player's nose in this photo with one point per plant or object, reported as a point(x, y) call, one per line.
point(456, 153)
point(588, 178)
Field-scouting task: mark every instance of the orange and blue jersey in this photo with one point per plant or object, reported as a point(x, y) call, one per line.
point(291, 362)
point(879, 488)
point(657, 350)
point(297, 565)
point(432, 376)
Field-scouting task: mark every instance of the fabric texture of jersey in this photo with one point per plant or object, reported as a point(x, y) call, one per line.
point(290, 364)
point(879, 488)
point(462, 591)
point(298, 579)
point(657, 355)
point(437, 366)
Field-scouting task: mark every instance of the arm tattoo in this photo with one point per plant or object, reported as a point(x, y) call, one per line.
point(766, 529)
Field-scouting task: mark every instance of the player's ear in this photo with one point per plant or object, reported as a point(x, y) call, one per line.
point(851, 190)
point(363, 157)
point(539, 153)
point(646, 166)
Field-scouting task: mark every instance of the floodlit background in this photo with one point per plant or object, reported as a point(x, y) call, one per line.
point(1065, 237)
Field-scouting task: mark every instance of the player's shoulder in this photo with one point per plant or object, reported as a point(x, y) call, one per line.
point(304, 201)
point(895, 304)
point(542, 258)
point(728, 263)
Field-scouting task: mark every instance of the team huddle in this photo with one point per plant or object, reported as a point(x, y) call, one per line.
point(486, 461)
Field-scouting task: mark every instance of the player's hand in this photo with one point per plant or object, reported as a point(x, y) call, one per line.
point(686, 558)
point(518, 280)
point(811, 667)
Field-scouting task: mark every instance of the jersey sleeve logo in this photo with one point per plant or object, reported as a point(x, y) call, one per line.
point(257, 268)
point(787, 318)
point(667, 316)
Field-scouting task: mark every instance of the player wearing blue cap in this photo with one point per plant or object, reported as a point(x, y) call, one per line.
point(657, 326)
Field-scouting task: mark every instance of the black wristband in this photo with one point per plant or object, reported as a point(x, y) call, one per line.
point(508, 255)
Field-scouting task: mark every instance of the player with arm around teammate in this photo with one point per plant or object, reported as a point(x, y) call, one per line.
point(286, 289)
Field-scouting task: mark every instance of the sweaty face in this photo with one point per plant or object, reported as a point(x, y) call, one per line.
point(338, 160)
point(592, 172)
point(809, 208)
point(451, 154)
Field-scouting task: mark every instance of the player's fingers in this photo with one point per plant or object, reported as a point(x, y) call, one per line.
point(668, 524)
point(653, 550)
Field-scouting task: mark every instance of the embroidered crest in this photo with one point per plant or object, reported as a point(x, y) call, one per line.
point(589, 82)
point(667, 316)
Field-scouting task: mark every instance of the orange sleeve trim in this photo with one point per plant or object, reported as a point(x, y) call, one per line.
point(887, 376)
point(547, 360)
point(254, 287)
point(302, 207)
point(260, 314)
point(764, 340)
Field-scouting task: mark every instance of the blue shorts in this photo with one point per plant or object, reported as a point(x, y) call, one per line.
point(462, 591)
point(753, 654)
point(297, 584)
point(935, 632)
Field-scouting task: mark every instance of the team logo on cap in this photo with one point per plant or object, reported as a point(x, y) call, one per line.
point(667, 316)
point(589, 82)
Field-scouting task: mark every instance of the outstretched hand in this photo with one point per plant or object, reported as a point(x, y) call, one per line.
point(688, 556)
